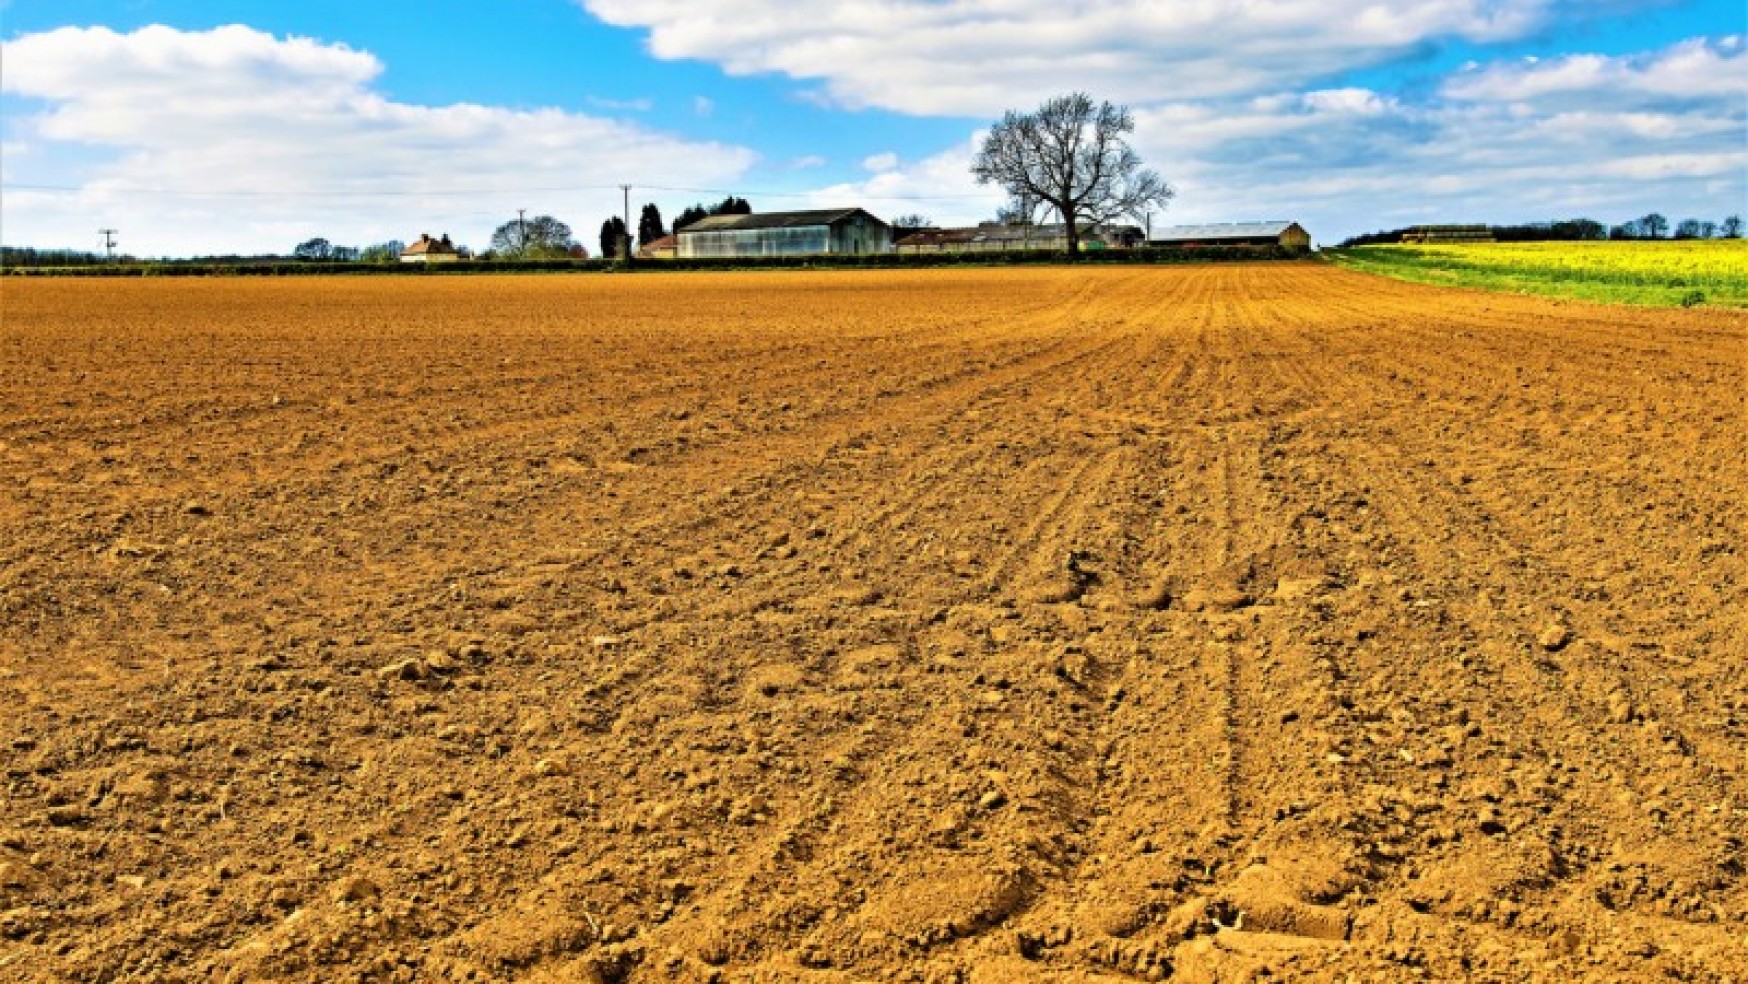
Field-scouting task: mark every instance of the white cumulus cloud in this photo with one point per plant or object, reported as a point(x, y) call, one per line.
point(939, 186)
point(234, 139)
point(978, 57)
point(1697, 68)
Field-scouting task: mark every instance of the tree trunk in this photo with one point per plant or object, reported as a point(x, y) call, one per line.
point(1070, 230)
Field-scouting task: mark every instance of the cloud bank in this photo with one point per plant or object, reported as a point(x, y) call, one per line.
point(975, 57)
point(1608, 136)
point(233, 139)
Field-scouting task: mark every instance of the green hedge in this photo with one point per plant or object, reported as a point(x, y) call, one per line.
point(1215, 254)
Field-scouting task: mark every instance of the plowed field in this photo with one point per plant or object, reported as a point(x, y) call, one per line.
point(997, 625)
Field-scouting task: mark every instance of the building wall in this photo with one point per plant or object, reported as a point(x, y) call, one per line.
point(1041, 241)
point(1295, 236)
point(994, 246)
point(861, 234)
point(1285, 239)
point(856, 234)
point(800, 241)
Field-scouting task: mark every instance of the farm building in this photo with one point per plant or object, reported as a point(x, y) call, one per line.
point(1278, 233)
point(997, 237)
point(1448, 234)
point(827, 231)
point(665, 248)
point(428, 250)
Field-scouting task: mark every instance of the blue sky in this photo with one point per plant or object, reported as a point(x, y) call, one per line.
point(215, 127)
point(529, 54)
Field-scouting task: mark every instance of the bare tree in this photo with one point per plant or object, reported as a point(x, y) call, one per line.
point(1071, 156)
point(912, 221)
point(1018, 211)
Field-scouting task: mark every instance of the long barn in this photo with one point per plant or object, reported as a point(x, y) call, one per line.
point(997, 237)
point(814, 233)
point(1276, 233)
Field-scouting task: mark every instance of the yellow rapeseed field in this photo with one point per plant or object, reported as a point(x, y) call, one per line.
point(1709, 271)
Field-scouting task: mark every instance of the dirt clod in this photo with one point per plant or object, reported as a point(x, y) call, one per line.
point(404, 669)
point(1554, 637)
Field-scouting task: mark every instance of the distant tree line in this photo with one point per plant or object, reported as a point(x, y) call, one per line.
point(30, 256)
point(286, 267)
point(540, 237)
point(320, 250)
point(1650, 226)
point(728, 206)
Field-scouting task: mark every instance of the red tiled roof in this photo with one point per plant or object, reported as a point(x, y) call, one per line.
point(426, 245)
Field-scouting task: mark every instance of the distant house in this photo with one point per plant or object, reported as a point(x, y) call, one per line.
point(996, 237)
point(1276, 233)
point(428, 250)
point(665, 248)
point(816, 233)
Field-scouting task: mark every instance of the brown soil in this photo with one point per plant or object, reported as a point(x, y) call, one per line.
point(1008, 625)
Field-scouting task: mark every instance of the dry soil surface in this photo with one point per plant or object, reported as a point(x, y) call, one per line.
point(1064, 625)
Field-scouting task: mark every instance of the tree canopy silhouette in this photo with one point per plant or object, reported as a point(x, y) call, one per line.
point(1071, 156)
point(537, 238)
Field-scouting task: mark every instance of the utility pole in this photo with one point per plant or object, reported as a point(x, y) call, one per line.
point(109, 242)
point(522, 231)
point(625, 239)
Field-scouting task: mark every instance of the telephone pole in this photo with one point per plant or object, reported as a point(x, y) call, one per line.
point(109, 242)
point(625, 239)
point(522, 231)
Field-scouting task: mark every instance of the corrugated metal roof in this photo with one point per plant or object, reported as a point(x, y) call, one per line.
point(1222, 230)
point(771, 220)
